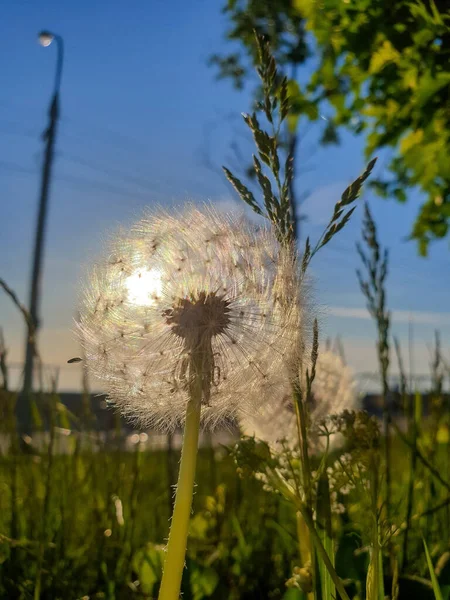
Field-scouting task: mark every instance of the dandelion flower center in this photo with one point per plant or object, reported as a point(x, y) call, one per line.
point(198, 317)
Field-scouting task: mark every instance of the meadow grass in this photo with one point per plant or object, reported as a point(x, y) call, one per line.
point(93, 523)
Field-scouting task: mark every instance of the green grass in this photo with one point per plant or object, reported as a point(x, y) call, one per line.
point(61, 524)
point(93, 524)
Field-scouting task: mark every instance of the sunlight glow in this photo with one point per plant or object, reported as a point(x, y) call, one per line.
point(144, 287)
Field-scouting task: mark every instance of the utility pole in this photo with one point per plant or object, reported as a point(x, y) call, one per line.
point(45, 38)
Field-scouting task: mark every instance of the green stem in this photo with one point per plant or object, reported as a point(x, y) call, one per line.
point(322, 552)
point(304, 545)
point(306, 470)
point(303, 540)
point(289, 494)
point(303, 441)
point(176, 547)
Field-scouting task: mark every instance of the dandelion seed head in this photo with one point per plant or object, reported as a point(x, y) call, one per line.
point(333, 391)
point(193, 282)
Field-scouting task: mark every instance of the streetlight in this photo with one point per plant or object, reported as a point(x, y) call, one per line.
point(45, 39)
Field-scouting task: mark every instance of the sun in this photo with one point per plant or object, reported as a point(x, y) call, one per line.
point(144, 287)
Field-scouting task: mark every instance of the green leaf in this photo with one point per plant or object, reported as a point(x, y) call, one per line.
point(400, 194)
point(429, 84)
point(329, 135)
point(299, 105)
point(204, 581)
point(36, 418)
point(384, 55)
point(148, 564)
point(294, 594)
point(434, 581)
point(323, 521)
point(292, 122)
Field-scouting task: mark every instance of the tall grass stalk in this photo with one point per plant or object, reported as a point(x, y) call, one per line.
point(375, 262)
point(301, 400)
point(409, 413)
point(375, 578)
point(278, 209)
point(429, 466)
point(3, 362)
point(44, 536)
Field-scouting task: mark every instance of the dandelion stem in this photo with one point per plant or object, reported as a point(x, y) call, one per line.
point(176, 547)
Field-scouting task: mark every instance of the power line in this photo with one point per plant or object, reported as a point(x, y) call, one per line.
point(5, 130)
point(112, 172)
point(74, 180)
point(16, 167)
point(110, 133)
point(114, 138)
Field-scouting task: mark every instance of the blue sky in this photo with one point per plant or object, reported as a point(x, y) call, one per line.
point(144, 122)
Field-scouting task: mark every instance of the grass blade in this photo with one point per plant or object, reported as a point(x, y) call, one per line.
point(434, 581)
point(324, 530)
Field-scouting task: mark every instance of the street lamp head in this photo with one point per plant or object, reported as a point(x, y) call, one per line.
point(46, 38)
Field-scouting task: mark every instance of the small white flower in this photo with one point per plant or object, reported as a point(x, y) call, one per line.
point(338, 508)
point(346, 489)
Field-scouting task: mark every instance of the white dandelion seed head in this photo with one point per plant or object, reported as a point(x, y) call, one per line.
point(333, 391)
point(177, 283)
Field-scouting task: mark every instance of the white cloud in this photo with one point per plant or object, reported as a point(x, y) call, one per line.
point(398, 316)
point(238, 207)
point(319, 205)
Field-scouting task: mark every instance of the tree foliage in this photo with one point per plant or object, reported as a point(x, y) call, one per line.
point(382, 67)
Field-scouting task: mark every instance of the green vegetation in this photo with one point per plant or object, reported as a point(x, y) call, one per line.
point(93, 523)
point(381, 69)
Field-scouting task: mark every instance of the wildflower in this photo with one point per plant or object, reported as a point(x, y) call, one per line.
point(197, 283)
point(333, 391)
point(301, 578)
